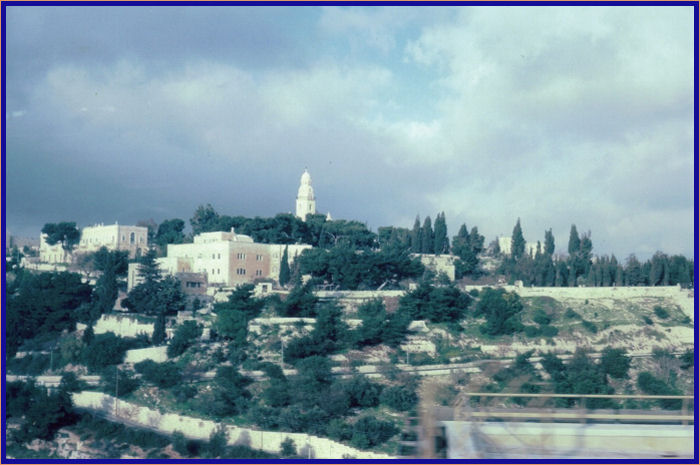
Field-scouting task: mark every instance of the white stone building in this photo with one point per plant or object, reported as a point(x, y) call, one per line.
point(52, 253)
point(133, 239)
point(306, 202)
point(443, 263)
point(226, 258)
point(505, 244)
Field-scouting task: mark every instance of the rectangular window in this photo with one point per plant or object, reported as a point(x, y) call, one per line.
point(218, 256)
point(240, 256)
point(258, 272)
point(259, 258)
point(240, 271)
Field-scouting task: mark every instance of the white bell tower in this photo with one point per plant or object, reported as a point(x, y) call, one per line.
point(306, 202)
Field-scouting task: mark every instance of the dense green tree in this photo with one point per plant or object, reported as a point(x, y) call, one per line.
point(437, 304)
point(155, 295)
point(185, 335)
point(105, 349)
point(41, 304)
point(659, 273)
point(390, 237)
point(112, 264)
point(401, 397)
point(119, 383)
point(300, 301)
point(650, 384)
point(170, 232)
point(205, 219)
point(517, 242)
point(615, 362)
point(64, 233)
point(158, 336)
point(369, 432)
point(633, 271)
point(40, 413)
point(229, 395)
point(502, 311)
point(164, 375)
point(380, 327)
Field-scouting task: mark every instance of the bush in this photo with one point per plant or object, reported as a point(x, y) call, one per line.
point(163, 375)
point(217, 442)
point(615, 363)
point(502, 311)
point(687, 359)
point(184, 336)
point(661, 312)
point(32, 364)
point(401, 398)
point(532, 331)
point(123, 382)
point(651, 385)
point(288, 448)
point(647, 320)
point(590, 326)
point(369, 432)
point(104, 350)
point(549, 330)
point(571, 314)
point(541, 317)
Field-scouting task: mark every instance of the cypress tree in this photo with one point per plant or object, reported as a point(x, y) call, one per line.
point(416, 236)
point(427, 240)
point(442, 243)
point(159, 330)
point(549, 242)
point(574, 241)
point(517, 242)
point(284, 268)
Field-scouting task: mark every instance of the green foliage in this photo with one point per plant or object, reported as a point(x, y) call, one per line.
point(217, 442)
point(185, 335)
point(300, 301)
point(362, 392)
point(549, 330)
point(571, 314)
point(158, 335)
point(288, 448)
point(170, 232)
point(541, 317)
point(121, 382)
point(502, 311)
point(517, 242)
point(590, 326)
point(401, 398)
point(661, 312)
point(615, 362)
point(467, 246)
point(441, 242)
point(379, 327)
point(284, 268)
point(31, 364)
point(649, 384)
point(579, 376)
point(71, 383)
point(64, 233)
point(39, 412)
point(43, 304)
point(369, 432)
point(330, 334)
point(155, 295)
point(687, 359)
point(647, 320)
point(352, 268)
point(104, 350)
point(437, 304)
point(164, 375)
point(229, 395)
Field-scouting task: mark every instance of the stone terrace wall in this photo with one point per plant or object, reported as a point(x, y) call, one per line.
point(197, 428)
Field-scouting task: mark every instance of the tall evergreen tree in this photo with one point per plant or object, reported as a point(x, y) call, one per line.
point(633, 273)
point(416, 236)
point(574, 241)
point(427, 240)
point(284, 268)
point(442, 243)
point(549, 242)
point(517, 242)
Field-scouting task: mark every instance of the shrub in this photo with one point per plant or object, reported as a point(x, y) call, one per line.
point(532, 331)
point(184, 336)
point(163, 375)
point(651, 385)
point(541, 317)
point(571, 314)
point(288, 448)
point(217, 442)
point(615, 363)
point(549, 330)
point(104, 350)
point(647, 320)
point(123, 382)
point(590, 326)
point(401, 398)
point(369, 432)
point(687, 359)
point(661, 312)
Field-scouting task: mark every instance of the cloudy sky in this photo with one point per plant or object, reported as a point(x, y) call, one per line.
point(556, 115)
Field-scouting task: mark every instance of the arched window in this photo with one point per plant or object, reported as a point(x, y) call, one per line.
point(132, 238)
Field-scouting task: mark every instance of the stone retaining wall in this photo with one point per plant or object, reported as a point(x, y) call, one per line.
point(307, 445)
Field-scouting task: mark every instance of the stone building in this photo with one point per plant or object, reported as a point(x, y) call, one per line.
point(133, 239)
point(226, 259)
point(505, 244)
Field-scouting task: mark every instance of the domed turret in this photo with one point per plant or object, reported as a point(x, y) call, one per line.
point(306, 202)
